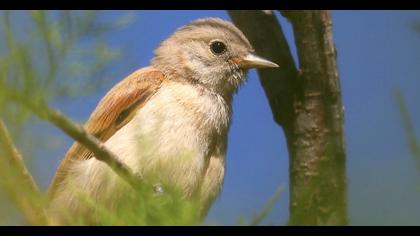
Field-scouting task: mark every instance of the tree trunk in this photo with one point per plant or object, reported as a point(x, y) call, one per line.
point(308, 106)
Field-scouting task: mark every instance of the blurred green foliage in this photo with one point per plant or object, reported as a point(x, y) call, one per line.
point(48, 56)
point(54, 55)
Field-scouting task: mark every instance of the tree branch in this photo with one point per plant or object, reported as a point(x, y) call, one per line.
point(27, 196)
point(318, 177)
point(308, 106)
point(280, 85)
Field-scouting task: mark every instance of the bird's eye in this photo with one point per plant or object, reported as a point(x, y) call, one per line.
point(217, 47)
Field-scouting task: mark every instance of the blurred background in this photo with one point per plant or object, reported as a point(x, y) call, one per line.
point(378, 56)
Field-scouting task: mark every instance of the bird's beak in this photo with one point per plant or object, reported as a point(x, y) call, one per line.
point(254, 61)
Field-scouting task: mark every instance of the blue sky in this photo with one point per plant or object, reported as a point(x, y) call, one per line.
point(378, 51)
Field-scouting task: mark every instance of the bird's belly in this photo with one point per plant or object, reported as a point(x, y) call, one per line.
point(161, 145)
point(165, 144)
point(163, 149)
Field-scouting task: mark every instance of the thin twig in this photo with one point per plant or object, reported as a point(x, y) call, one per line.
point(78, 133)
point(28, 197)
point(267, 208)
point(408, 125)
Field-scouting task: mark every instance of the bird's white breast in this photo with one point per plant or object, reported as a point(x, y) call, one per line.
point(171, 140)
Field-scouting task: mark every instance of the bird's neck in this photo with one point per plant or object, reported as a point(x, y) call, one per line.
point(216, 80)
point(188, 77)
point(212, 110)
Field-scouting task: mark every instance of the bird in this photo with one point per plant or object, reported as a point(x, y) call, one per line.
point(168, 122)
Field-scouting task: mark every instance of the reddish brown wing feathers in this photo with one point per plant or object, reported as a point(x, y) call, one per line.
point(119, 104)
point(115, 110)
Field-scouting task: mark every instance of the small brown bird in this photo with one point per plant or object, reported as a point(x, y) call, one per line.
point(168, 122)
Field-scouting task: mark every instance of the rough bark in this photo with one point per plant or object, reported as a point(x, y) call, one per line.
point(308, 106)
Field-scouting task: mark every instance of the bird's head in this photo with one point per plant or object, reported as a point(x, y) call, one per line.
point(211, 52)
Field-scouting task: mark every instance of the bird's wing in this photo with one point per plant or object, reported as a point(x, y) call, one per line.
point(114, 111)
